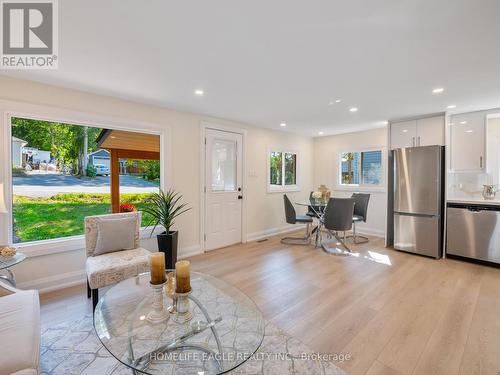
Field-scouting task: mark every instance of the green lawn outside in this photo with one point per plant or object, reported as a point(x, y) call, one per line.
point(63, 215)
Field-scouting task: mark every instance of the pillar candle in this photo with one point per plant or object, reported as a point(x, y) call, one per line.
point(157, 268)
point(182, 277)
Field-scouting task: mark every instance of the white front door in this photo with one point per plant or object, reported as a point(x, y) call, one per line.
point(223, 195)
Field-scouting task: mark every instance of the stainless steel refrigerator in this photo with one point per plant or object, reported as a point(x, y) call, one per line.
point(418, 199)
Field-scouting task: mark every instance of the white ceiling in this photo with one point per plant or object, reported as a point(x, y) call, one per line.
point(267, 62)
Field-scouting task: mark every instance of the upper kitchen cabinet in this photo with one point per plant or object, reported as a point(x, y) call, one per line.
point(430, 131)
point(468, 142)
point(427, 131)
point(403, 134)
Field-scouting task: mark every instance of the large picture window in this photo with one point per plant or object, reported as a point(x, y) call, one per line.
point(282, 170)
point(361, 168)
point(61, 174)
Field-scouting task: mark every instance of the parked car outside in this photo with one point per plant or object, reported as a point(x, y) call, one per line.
point(102, 170)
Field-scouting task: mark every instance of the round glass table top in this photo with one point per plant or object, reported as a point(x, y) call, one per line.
point(227, 328)
point(312, 203)
point(6, 262)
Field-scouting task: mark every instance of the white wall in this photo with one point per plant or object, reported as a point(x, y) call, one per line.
point(264, 212)
point(326, 171)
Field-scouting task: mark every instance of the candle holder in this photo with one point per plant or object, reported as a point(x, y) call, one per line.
point(158, 314)
point(182, 308)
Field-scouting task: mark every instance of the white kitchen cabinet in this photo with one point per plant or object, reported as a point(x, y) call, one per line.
point(468, 142)
point(403, 134)
point(421, 132)
point(430, 131)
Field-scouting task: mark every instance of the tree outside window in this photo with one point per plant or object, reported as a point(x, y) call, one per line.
point(282, 169)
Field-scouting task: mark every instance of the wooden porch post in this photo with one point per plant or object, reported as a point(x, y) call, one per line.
point(115, 181)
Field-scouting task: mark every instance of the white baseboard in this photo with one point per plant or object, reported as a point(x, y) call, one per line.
point(291, 228)
point(69, 279)
point(189, 251)
point(273, 232)
point(55, 282)
point(371, 232)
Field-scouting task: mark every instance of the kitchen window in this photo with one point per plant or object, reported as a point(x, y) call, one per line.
point(282, 171)
point(360, 168)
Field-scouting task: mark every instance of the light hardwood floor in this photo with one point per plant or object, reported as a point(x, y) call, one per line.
point(395, 313)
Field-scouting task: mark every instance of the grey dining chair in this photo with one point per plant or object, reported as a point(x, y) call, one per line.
point(360, 214)
point(338, 218)
point(292, 218)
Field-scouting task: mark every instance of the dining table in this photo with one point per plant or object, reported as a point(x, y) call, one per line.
point(317, 208)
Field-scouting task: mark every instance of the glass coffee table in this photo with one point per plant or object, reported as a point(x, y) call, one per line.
point(6, 263)
point(227, 328)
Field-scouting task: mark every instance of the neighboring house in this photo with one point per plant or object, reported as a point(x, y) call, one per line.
point(17, 151)
point(102, 157)
point(36, 156)
point(99, 157)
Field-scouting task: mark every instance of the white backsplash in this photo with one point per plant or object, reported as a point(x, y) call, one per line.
point(467, 185)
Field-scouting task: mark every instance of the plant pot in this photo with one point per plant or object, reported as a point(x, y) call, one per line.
point(167, 244)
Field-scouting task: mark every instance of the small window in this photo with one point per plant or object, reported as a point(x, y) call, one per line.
point(282, 170)
point(361, 168)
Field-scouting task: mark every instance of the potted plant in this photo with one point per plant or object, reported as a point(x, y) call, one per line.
point(164, 207)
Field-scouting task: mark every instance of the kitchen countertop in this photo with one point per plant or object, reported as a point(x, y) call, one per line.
point(474, 201)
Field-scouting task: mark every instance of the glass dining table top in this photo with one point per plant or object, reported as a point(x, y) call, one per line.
point(233, 328)
point(312, 202)
point(7, 262)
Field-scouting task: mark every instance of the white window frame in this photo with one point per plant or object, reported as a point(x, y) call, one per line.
point(362, 187)
point(9, 109)
point(282, 188)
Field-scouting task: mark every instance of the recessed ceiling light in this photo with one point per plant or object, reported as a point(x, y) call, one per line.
point(199, 92)
point(338, 101)
point(405, 130)
point(463, 122)
point(438, 90)
point(331, 103)
point(469, 131)
point(353, 109)
point(451, 106)
point(283, 125)
point(321, 133)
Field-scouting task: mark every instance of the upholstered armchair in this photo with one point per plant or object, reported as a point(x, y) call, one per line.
point(113, 250)
point(19, 331)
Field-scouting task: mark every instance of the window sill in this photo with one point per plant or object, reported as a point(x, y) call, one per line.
point(283, 189)
point(364, 188)
point(63, 245)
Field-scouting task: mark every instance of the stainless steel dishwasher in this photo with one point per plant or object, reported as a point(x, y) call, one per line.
point(473, 231)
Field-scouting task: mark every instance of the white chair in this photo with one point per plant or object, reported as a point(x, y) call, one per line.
point(19, 331)
point(111, 267)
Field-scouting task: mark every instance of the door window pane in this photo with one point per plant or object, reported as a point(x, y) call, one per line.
point(290, 169)
point(276, 166)
point(223, 165)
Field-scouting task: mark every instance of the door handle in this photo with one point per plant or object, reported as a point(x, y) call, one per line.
point(240, 196)
point(480, 162)
point(418, 141)
point(413, 141)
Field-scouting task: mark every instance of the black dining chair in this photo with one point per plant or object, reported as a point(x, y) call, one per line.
point(338, 218)
point(360, 214)
point(292, 218)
